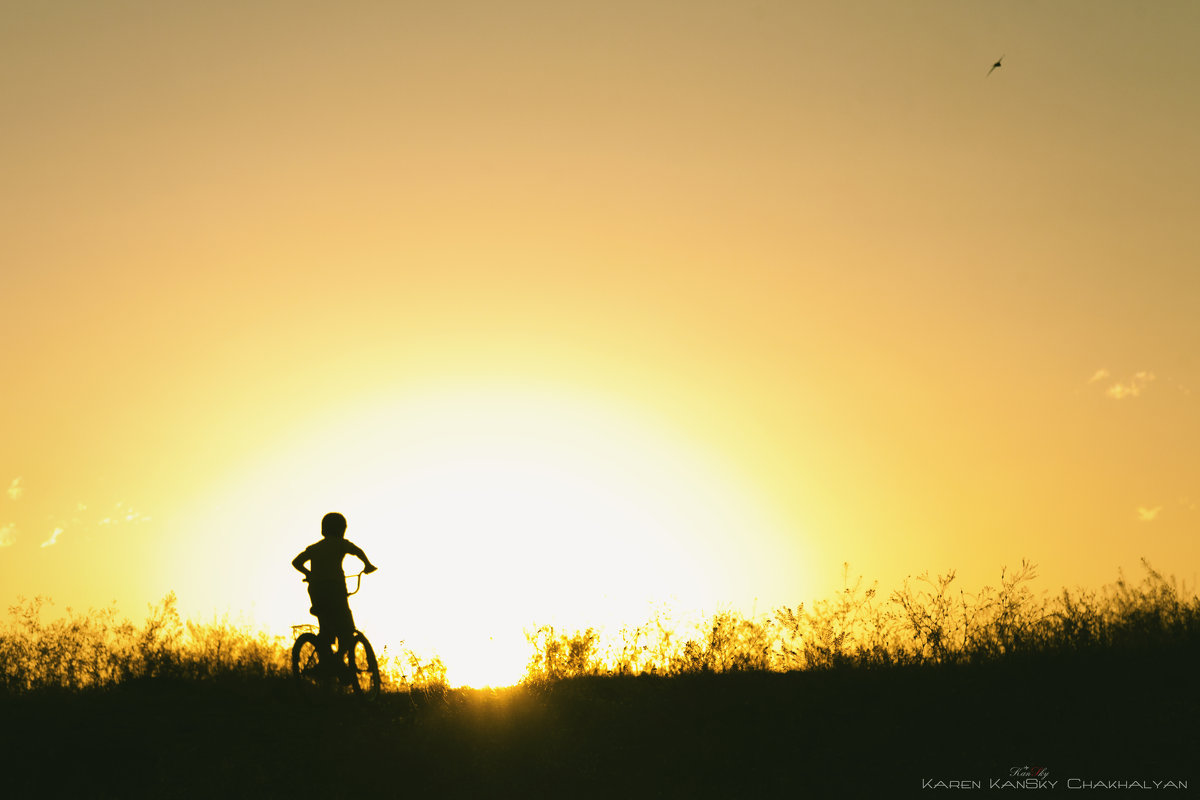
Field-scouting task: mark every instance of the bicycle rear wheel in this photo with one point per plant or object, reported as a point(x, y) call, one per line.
point(306, 658)
point(364, 667)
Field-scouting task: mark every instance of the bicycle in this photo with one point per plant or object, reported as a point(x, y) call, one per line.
point(358, 667)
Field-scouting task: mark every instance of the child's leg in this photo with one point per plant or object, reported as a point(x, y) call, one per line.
point(346, 648)
point(325, 639)
point(342, 624)
point(325, 630)
point(343, 646)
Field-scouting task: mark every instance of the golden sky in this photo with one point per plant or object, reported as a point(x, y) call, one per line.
point(570, 306)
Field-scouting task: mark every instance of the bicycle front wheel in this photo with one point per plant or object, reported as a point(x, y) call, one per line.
point(306, 658)
point(364, 667)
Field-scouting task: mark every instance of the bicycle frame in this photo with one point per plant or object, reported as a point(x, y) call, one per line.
point(308, 640)
point(357, 582)
point(308, 627)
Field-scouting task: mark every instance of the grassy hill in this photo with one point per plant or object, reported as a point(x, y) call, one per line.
point(1077, 690)
point(841, 732)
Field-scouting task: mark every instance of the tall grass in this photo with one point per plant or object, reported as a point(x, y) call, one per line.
point(927, 621)
point(99, 650)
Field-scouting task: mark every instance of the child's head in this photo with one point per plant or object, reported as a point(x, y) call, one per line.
point(333, 525)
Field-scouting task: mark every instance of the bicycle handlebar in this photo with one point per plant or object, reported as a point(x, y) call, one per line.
point(357, 581)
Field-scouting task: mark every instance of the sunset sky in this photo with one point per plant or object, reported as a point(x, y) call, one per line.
point(572, 307)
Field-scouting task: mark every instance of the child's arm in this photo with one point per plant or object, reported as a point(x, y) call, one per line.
point(355, 550)
point(298, 563)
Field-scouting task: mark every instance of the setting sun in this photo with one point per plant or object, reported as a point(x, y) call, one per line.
point(490, 508)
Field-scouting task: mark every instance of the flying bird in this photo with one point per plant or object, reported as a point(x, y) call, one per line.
point(997, 64)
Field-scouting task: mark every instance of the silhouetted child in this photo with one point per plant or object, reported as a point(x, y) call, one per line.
point(327, 584)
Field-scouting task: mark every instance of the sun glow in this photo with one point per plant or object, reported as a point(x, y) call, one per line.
point(492, 509)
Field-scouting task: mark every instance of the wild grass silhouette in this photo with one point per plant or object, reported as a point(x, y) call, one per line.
point(98, 650)
point(857, 695)
point(928, 621)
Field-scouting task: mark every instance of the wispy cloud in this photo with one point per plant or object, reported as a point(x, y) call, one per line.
point(1099, 375)
point(1148, 514)
point(83, 522)
point(121, 514)
point(15, 489)
point(86, 521)
point(1130, 388)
